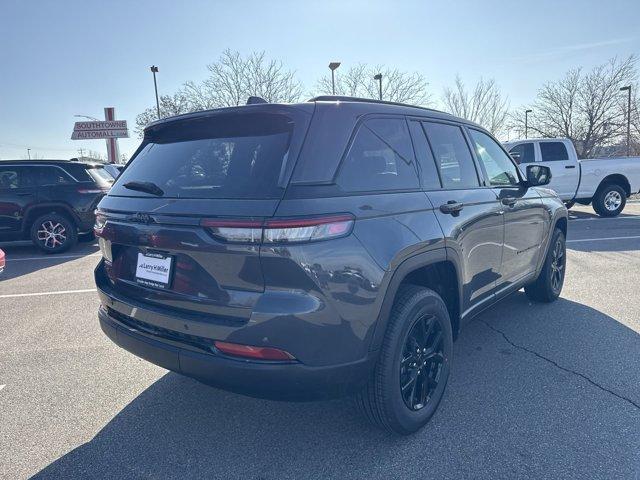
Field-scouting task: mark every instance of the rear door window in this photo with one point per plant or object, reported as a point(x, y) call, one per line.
point(553, 152)
point(428, 170)
point(452, 155)
point(525, 152)
point(225, 156)
point(380, 158)
point(53, 176)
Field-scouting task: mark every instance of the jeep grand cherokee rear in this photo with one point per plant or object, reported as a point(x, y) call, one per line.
point(213, 284)
point(320, 249)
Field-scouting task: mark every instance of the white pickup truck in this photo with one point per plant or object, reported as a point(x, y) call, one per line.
point(603, 182)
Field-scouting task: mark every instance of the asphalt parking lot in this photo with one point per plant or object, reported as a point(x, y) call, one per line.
point(537, 391)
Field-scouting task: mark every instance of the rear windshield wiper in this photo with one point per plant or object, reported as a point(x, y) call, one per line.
point(147, 187)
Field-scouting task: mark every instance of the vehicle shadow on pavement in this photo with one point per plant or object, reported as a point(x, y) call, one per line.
point(536, 391)
point(581, 214)
point(26, 259)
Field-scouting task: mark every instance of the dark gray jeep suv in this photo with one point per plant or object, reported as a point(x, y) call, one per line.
point(319, 249)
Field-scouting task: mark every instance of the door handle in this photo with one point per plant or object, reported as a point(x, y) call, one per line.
point(510, 201)
point(569, 166)
point(451, 207)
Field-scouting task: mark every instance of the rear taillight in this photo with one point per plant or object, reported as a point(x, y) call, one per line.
point(307, 229)
point(236, 231)
point(257, 353)
point(280, 230)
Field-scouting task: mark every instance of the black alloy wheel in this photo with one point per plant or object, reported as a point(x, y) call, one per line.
point(422, 361)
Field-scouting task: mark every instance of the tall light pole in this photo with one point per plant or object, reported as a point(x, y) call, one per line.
point(628, 89)
point(29, 153)
point(379, 78)
point(332, 67)
point(154, 70)
point(526, 122)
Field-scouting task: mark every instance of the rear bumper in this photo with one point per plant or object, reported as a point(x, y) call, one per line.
point(279, 381)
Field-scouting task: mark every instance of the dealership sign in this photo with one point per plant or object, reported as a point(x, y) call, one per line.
point(100, 130)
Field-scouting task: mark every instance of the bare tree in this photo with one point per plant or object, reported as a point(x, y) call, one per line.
point(397, 86)
point(587, 108)
point(170, 105)
point(232, 79)
point(485, 105)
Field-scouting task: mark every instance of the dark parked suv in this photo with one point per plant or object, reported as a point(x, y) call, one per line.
point(49, 201)
point(326, 248)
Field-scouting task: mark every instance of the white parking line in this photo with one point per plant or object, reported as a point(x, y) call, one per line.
point(602, 239)
point(52, 257)
point(40, 294)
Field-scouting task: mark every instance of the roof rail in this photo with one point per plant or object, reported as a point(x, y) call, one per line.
point(345, 98)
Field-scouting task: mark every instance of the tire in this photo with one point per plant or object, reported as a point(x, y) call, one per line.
point(53, 233)
point(548, 285)
point(609, 200)
point(383, 400)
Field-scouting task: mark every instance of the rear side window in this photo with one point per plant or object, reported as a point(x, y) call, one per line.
point(524, 152)
point(78, 171)
point(380, 158)
point(553, 151)
point(452, 155)
point(226, 156)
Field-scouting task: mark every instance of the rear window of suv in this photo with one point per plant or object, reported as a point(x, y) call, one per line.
point(225, 156)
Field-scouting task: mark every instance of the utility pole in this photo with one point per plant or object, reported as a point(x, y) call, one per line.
point(333, 66)
point(81, 152)
point(154, 70)
point(379, 78)
point(628, 89)
point(526, 123)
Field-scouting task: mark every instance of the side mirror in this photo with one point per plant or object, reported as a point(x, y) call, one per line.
point(516, 157)
point(538, 175)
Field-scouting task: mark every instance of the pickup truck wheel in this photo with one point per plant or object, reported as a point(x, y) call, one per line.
point(53, 233)
point(548, 285)
point(609, 200)
point(413, 366)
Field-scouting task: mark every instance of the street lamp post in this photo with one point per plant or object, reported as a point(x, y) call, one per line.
point(333, 66)
point(628, 89)
point(526, 122)
point(379, 78)
point(29, 153)
point(154, 70)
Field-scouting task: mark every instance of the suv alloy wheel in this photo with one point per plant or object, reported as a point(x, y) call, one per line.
point(53, 233)
point(414, 363)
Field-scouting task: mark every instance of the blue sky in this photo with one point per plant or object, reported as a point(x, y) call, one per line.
point(66, 57)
